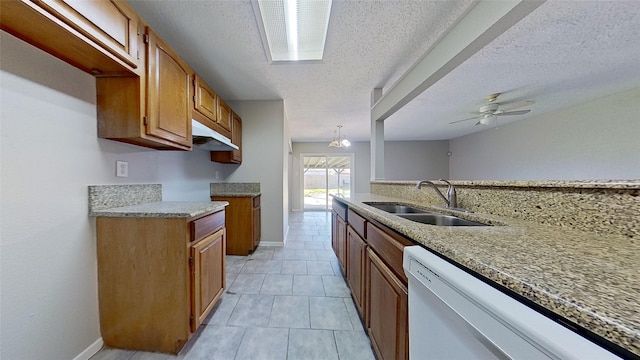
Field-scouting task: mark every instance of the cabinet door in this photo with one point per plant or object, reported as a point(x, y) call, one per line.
point(207, 275)
point(98, 37)
point(341, 243)
point(236, 138)
point(224, 116)
point(356, 274)
point(334, 232)
point(113, 25)
point(387, 306)
point(205, 99)
point(256, 227)
point(168, 93)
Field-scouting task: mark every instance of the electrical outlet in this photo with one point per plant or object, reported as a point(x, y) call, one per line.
point(122, 168)
point(217, 175)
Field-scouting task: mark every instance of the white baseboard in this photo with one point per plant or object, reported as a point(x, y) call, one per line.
point(87, 353)
point(271, 243)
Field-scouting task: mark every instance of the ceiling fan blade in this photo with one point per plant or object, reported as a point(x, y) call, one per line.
point(457, 121)
point(517, 112)
point(516, 105)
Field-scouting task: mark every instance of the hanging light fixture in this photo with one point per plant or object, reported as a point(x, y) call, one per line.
point(339, 140)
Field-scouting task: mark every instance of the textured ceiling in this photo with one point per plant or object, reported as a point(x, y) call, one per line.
point(564, 53)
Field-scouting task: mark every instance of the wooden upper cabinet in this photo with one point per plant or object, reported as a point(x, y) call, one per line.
point(111, 24)
point(206, 109)
point(224, 116)
point(99, 37)
point(236, 138)
point(235, 156)
point(153, 110)
point(168, 93)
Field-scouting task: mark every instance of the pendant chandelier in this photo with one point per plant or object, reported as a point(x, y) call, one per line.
point(339, 140)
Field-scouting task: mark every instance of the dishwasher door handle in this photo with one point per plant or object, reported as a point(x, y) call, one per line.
point(486, 342)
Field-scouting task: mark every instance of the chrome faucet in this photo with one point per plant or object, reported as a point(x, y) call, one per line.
point(451, 199)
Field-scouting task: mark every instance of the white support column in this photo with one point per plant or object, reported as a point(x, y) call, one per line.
point(377, 140)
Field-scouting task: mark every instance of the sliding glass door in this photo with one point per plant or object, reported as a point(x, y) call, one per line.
point(325, 176)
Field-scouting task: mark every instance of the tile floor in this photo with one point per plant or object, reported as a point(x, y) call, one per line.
point(280, 303)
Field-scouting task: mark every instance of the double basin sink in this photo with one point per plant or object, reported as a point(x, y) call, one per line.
point(423, 216)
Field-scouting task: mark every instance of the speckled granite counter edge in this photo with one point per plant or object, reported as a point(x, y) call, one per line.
point(166, 209)
point(570, 309)
point(249, 187)
point(584, 184)
point(236, 194)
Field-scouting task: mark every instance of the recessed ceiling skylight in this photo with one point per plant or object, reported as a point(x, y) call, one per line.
point(293, 30)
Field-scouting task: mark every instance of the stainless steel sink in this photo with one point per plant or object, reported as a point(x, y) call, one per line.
point(396, 208)
point(439, 219)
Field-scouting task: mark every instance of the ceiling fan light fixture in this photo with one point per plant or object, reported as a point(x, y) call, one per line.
point(488, 119)
point(293, 30)
point(339, 141)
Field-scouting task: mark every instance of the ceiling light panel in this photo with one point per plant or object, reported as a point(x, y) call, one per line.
point(294, 30)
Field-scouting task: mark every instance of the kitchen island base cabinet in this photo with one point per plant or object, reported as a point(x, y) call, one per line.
point(387, 311)
point(357, 252)
point(157, 278)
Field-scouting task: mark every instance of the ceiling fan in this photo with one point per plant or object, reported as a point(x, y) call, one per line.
point(489, 112)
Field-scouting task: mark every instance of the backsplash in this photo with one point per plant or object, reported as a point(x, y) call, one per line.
point(111, 196)
point(606, 207)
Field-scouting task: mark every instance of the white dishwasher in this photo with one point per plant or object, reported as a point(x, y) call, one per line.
point(453, 315)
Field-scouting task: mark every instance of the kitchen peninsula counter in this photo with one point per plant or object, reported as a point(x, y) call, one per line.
point(588, 278)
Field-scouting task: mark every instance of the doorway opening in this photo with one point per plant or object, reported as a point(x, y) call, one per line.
point(325, 176)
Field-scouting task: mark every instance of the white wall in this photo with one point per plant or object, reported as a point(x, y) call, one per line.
point(594, 140)
point(416, 160)
point(263, 160)
point(50, 154)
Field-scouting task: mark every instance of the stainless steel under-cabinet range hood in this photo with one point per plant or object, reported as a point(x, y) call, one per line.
point(207, 139)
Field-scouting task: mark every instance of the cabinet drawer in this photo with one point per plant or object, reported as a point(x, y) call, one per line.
point(340, 209)
point(256, 202)
point(206, 225)
point(358, 223)
point(388, 248)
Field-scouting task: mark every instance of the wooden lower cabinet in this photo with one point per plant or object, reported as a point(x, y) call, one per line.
point(158, 278)
point(370, 256)
point(387, 311)
point(256, 234)
point(243, 223)
point(341, 243)
point(357, 252)
point(207, 263)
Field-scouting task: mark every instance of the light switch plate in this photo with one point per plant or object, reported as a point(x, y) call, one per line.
point(122, 168)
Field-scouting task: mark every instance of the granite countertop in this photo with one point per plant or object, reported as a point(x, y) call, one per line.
point(236, 194)
point(590, 279)
point(163, 209)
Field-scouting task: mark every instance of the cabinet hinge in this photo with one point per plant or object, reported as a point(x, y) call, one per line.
point(191, 320)
point(190, 260)
point(144, 120)
point(138, 54)
point(146, 38)
point(194, 98)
